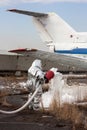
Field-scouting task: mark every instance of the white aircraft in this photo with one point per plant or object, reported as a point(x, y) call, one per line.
point(60, 38)
point(57, 34)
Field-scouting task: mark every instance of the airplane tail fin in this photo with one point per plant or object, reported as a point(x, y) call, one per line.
point(52, 29)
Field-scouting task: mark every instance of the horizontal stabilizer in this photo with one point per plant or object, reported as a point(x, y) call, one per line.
point(35, 14)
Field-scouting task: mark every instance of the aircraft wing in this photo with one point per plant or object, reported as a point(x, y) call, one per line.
point(35, 14)
point(64, 63)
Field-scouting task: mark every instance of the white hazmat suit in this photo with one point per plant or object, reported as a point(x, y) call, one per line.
point(35, 74)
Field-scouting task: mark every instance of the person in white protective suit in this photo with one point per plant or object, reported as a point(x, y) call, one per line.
point(35, 74)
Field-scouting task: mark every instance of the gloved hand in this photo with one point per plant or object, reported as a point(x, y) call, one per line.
point(40, 80)
point(46, 80)
point(40, 75)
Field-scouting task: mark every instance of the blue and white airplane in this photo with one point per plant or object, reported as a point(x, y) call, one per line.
point(57, 34)
point(61, 39)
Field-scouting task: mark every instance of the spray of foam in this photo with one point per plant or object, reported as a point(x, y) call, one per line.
point(62, 92)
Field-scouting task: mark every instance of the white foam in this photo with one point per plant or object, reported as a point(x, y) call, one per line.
point(63, 93)
point(1, 87)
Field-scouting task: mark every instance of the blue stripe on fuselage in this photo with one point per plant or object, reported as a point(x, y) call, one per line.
point(73, 51)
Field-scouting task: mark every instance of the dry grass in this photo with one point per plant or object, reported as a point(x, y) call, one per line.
point(85, 99)
point(69, 112)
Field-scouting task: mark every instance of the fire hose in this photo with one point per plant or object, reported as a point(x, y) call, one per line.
point(38, 85)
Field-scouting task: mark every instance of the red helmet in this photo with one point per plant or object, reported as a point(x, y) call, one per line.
point(49, 74)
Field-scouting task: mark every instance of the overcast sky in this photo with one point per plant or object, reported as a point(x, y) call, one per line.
point(18, 31)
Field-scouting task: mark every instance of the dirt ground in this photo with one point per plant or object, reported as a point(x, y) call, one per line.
point(39, 119)
point(29, 119)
